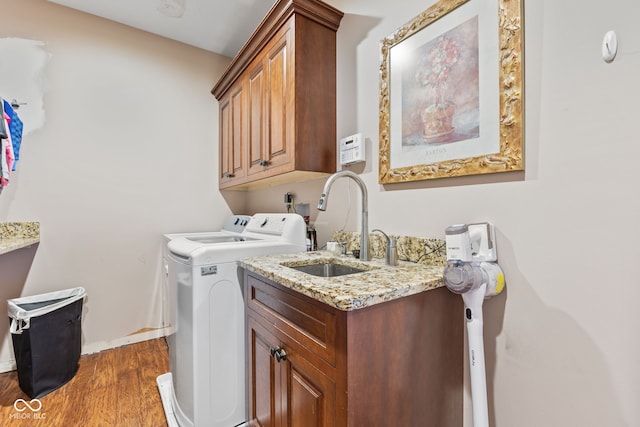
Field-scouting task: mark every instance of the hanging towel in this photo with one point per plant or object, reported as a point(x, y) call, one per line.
point(4, 177)
point(3, 128)
point(9, 149)
point(7, 153)
point(15, 131)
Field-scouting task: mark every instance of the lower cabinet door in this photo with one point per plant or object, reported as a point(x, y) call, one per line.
point(311, 394)
point(264, 381)
point(286, 389)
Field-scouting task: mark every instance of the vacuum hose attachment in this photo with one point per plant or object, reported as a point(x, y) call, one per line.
point(461, 277)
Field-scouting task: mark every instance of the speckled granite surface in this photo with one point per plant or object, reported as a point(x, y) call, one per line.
point(350, 292)
point(17, 235)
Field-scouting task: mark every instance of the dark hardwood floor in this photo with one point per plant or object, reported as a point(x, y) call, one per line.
point(113, 388)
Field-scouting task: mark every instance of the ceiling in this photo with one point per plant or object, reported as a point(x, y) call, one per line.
point(220, 26)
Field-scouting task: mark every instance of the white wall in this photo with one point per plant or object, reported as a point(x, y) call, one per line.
point(124, 150)
point(562, 344)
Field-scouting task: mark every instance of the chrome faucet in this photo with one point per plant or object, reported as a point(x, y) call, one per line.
point(364, 222)
point(391, 253)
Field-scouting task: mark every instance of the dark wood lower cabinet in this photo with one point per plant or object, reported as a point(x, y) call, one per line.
point(398, 363)
point(287, 390)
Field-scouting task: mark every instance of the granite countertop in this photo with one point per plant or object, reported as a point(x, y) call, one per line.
point(18, 235)
point(349, 292)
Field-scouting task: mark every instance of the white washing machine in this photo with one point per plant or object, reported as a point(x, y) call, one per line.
point(233, 226)
point(206, 383)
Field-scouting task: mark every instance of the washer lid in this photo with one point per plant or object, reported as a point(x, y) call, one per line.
point(185, 247)
point(192, 253)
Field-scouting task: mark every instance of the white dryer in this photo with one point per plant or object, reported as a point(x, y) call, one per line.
point(206, 383)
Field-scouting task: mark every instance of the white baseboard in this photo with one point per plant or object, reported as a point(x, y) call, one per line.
point(119, 342)
point(10, 365)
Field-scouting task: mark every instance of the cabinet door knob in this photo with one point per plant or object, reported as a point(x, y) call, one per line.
point(228, 175)
point(281, 355)
point(264, 163)
point(278, 353)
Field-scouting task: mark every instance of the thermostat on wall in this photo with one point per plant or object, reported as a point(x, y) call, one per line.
point(352, 149)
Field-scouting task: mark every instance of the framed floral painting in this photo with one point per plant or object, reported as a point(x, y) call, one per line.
point(451, 92)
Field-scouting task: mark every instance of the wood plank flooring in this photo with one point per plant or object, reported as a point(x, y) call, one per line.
point(113, 388)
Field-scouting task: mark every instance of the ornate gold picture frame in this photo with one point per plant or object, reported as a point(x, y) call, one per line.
point(451, 101)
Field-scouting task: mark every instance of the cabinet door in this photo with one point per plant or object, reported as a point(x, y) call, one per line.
point(263, 387)
point(289, 392)
point(232, 136)
point(257, 119)
point(310, 393)
point(270, 106)
point(280, 115)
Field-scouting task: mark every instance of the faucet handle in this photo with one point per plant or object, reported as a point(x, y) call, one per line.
point(343, 248)
point(391, 253)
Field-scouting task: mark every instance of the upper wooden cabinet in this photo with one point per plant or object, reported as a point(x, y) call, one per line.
point(277, 99)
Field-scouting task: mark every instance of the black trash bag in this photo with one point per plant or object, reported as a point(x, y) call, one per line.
point(46, 331)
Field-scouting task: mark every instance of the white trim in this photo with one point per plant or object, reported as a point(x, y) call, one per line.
point(129, 339)
point(165, 387)
point(8, 365)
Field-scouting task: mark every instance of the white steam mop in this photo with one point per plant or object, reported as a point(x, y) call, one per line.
point(472, 272)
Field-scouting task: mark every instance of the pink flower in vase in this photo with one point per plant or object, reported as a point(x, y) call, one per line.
point(433, 69)
point(432, 72)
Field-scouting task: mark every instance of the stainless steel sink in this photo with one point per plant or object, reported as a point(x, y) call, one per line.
point(329, 269)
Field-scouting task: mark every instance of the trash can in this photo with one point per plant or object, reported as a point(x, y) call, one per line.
point(46, 332)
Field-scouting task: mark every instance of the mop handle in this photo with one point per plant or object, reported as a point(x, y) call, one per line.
point(477, 373)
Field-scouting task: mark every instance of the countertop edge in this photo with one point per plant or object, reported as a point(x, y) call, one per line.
point(353, 292)
point(18, 235)
point(13, 244)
